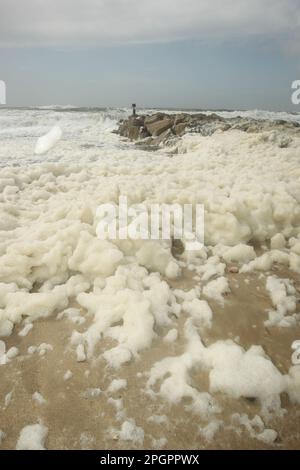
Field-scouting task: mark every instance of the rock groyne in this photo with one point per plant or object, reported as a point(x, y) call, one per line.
point(162, 128)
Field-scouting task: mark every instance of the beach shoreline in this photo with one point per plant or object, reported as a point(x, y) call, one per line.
point(125, 343)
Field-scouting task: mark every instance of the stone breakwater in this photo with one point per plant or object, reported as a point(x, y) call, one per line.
point(163, 128)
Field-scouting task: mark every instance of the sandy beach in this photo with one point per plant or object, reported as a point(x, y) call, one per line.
point(117, 344)
point(80, 421)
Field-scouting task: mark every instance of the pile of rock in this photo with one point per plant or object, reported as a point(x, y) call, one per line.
point(162, 125)
point(164, 128)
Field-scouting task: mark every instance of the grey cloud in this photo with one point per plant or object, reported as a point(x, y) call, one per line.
point(102, 22)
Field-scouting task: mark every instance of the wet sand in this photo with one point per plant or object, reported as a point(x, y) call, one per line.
point(78, 421)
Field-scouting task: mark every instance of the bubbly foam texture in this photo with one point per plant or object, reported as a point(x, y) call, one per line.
point(32, 437)
point(50, 254)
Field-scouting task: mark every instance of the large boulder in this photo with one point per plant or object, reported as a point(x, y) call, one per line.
point(154, 118)
point(133, 132)
point(180, 128)
point(161, 128)
point(182, 117)
point(158, 127)
point(133, 128)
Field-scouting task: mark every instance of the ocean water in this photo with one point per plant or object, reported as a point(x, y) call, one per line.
point(83, 129)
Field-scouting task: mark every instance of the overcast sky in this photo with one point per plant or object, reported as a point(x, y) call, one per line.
point(186, 53)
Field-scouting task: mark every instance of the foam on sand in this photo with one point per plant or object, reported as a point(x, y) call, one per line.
point(32, 437)
point(51, 258)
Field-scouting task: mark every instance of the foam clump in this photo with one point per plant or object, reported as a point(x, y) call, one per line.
point(124, 298)
point(173, 375)
point(7, 356)
point(240, 373)
point(38, 398)
point(255, 427)
point(116, 385)
point(266, 261)
point(2, 436)
point(240, 253)
point(216, 289)
point(283, 297)
point(200, 311)
point(32, 437)
point(293, 384)
point(155, 257)
point(278, 242)
point(232, 370)
point(47, 141)
point(94, 257)
point(131, 432)
point(171, 336)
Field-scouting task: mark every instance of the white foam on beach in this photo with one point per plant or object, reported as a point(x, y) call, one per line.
point(282, 294)
point(131, 432)
point(50, 254)
point(233, 371)
point(32, 437)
